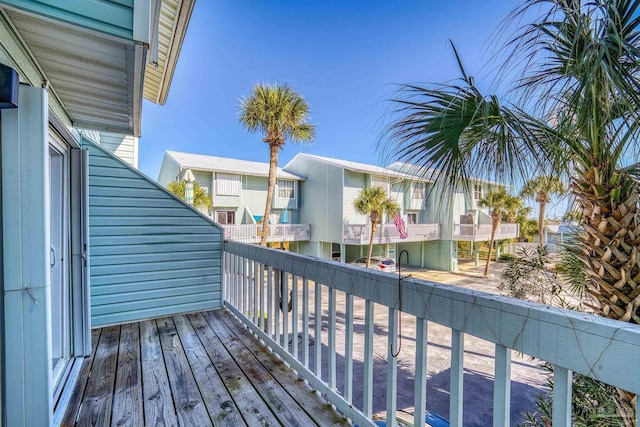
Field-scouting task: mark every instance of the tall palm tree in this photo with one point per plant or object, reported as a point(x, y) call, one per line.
point(498, 202)
point(542, 188)
point(574, 109)
point(280, 114)
point(373, 201)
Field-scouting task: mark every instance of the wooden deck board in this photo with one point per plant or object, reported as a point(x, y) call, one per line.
point(280, 402)
point(222, 410)
point(127, 399)
point(158, 402)
point(254, 410)
point(79, 387)
point(98, 396)
point(200, 369)
point(304, 395)
point(186, 396)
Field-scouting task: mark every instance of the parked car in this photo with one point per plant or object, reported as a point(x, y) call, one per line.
point(335, 256)
point(377, 263)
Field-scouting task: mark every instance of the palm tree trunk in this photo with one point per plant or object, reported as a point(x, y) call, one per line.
point(495, 223)
point(273, 168)
point(374, 225)
point(543, 207)
point(609, 249)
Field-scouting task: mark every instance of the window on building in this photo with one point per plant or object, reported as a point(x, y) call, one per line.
point(226, 217)
point(380, 181)
point(286, 189)
point(228, 184)
point(412, 218)
point(477, 191)
point(418, 191)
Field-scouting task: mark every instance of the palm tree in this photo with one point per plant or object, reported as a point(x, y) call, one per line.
point(280, 114)
point(374, 202)
point(542, 188)
point(574, 110)
point(499, 202)
point(201, 198)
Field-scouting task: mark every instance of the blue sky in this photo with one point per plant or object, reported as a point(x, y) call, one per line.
point(344, 57)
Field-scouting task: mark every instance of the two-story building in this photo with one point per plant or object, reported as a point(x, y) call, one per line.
point(238, 191)
point(317, 193)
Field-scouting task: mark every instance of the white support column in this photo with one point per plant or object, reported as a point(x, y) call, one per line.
point(26, 224)
point(457, 375)
point(562, 385)
point(420, 387)
point(502, 387)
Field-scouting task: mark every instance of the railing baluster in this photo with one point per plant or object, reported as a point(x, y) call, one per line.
point(317, 330)
point(236, 280)
point(502, 387)
point(348, 348)
point(367, 399)
point(256, 288)
point(261, 284)
point(420, 386)
point(457, 374)
point(332, 338)
point(243, 287)
point(392, 366)
point(270, 301)
point(277, 283)
point(250, 291)
point(305, 322)
point(284, 290)
point(562, 384)
point(234, 284)
point(294, 316)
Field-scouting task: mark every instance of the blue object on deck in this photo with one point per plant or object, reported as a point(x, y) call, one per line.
point(257, 218)
point(430, 419)
point(284, 218)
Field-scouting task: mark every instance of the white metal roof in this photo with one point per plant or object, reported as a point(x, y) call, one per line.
point(361, 167)
point(224, 164)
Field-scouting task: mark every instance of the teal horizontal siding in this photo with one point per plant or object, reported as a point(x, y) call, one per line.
point(151, 255)
point(114, 17)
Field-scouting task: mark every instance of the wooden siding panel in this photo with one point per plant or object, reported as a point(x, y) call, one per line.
point(322, 193)
point(204, 179)
point(354, 182)
point(254, 194)
point(123, 146)
point(151, 254)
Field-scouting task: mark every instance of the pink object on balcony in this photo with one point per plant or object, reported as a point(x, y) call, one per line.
point(397, 219)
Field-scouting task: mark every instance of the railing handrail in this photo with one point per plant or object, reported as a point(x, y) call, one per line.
point(552, 334)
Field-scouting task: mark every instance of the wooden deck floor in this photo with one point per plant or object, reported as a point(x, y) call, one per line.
point(199, 369)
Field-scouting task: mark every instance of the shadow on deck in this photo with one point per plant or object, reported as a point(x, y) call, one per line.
point(198, 369)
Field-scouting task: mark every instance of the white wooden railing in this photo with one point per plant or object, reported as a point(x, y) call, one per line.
point(482, 232)
point(250, 233)
point(388, 233)
point(258, 282)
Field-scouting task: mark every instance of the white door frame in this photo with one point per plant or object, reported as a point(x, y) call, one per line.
point(59, 257)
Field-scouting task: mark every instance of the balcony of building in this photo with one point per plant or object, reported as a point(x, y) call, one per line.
point(482, 232)
point(304, 341)
point(250, 233)
point(389, 233)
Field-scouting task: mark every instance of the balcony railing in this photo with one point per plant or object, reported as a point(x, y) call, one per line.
point(388, 233)
point(304, 332)
point(482, 232)
point(250, 233)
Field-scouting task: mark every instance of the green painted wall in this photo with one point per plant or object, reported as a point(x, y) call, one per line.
point(151, 255)
point(440, 255)
point(114, 17)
